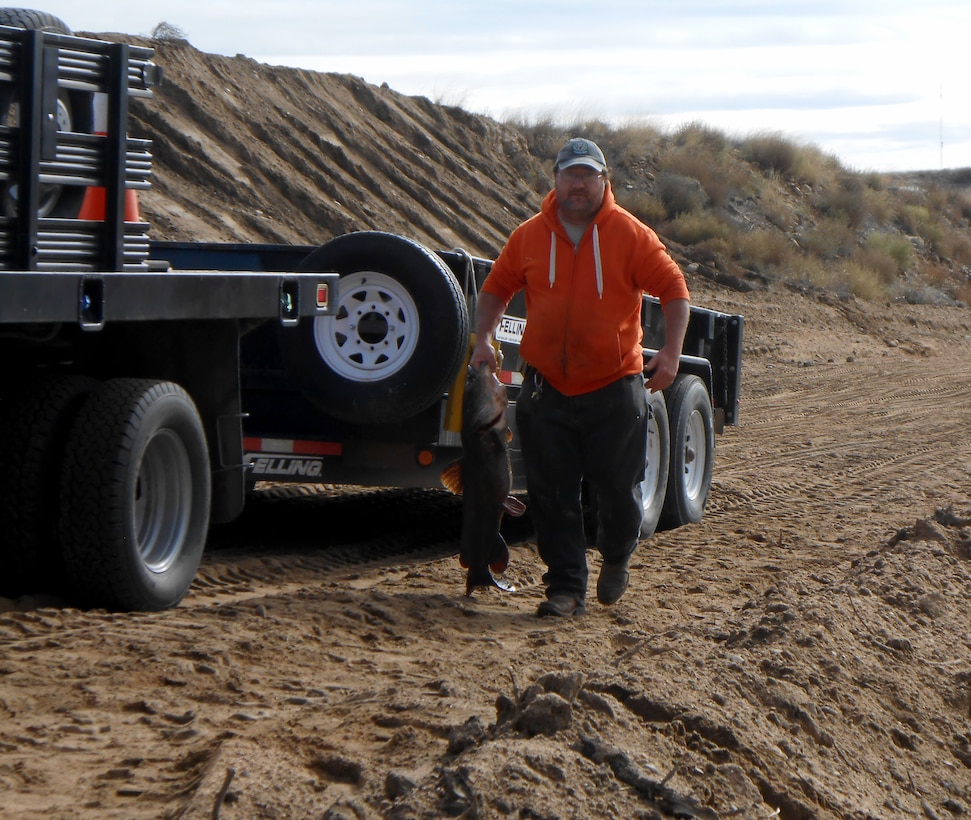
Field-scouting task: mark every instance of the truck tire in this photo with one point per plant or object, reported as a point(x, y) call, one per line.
point(692, 451)
point(398, 338)
point(75, 112)
point(34, 427)
point(654, 485)
point(135, 496)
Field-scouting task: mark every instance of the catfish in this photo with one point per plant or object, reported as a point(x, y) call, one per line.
point(483, 477)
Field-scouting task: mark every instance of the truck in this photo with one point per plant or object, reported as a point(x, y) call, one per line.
point(148, 386)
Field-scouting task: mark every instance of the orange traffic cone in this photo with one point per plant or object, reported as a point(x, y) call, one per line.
point(93, 205)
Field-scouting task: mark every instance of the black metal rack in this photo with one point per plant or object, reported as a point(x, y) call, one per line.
point(34, 66)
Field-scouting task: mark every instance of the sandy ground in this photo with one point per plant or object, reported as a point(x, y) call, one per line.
point(804, 652)
point(801, 653)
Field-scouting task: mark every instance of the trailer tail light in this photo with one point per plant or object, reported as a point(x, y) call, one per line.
point(323, 295)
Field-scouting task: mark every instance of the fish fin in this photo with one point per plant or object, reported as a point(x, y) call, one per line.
point(500, 556)
point(451, 477)
point(482, 575)
point(486, 579)
point(513, 506)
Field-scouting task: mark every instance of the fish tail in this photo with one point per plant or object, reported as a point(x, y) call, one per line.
point(499, 559)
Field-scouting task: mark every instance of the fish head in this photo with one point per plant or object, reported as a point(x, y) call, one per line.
point(485, 402)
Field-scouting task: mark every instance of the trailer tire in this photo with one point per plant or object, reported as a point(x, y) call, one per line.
point(135, 496)
point(654, 485)
point(34, 427)
point(398, 338)
point(692, 451)
point(75, 112)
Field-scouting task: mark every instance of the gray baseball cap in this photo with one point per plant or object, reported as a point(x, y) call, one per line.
point(580, 151)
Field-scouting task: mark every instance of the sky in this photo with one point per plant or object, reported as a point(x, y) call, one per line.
point(879, 84)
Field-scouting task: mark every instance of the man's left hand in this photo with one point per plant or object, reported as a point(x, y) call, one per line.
point(661, 369)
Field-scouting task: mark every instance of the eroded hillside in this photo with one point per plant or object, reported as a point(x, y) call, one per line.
point(248, 152)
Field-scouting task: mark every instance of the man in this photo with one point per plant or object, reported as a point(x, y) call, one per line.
point(584, 264)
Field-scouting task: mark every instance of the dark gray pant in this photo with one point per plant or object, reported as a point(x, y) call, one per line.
point(600, 437)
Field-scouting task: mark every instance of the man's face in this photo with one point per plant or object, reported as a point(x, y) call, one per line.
point(579, 193)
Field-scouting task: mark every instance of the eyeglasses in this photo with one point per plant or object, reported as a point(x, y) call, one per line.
point(586, 177)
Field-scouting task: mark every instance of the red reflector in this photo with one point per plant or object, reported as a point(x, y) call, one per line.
point(317, 448)
point(323, 295)
point(300, 448)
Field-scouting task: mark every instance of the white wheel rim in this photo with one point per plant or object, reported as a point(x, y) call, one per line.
point(652, 470)
point(375, 331)
point(695, 455)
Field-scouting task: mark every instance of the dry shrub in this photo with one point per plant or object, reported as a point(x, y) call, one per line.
point(680, 194)
point(829, 239)
point(596, 129)
point(776, 207)
point(881, 205)
point(955, 246)
point(962, 293)
point(773, 153)
point(764, 249)
point(719, 173)
point(878, 261)
point(776, 154)
point(645, 206)
point(892, 245)
point(807, 271)
point(701, 137)
point(543, 135)
point(912, 216)
point(166, 32)
point(845, 202)
point(633, 143)
point(694, 228)
point(862, 281)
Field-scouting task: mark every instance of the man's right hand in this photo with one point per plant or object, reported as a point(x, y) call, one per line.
point(483, 353)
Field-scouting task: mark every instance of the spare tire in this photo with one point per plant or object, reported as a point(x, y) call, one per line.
point(398, 338)
point(75, 112)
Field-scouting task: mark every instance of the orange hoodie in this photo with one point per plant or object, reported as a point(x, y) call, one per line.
point(583, 304)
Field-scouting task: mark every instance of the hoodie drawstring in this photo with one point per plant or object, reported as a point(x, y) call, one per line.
point(597, 261)
point(552, 258)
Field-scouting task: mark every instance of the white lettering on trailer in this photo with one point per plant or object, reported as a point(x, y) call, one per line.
point(286, 466)
point(510, 329)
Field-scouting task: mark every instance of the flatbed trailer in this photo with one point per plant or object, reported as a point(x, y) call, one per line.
point(325, 414)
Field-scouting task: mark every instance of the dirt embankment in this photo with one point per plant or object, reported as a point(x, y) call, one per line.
point(801, 653)
point(249, 152)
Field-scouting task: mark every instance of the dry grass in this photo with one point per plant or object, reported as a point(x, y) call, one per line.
point(769, 206)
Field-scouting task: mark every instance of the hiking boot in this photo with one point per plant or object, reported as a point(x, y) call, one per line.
point(612, 583)
point(561, 605)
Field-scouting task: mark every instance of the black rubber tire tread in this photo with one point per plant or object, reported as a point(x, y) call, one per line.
point(98, 489)
point(654, 507)
point(33, 20)
point(34, 426)
point(687, 395)
point(80, 103)
point(442, 343)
